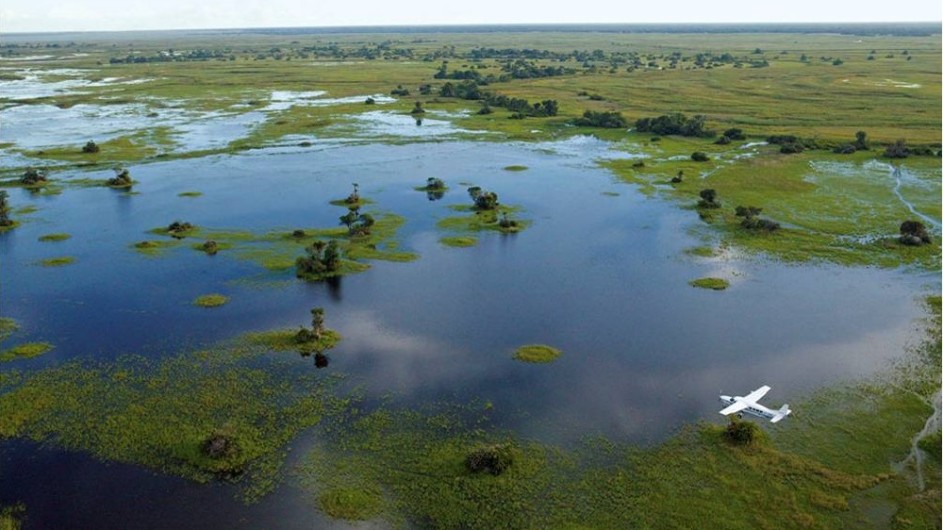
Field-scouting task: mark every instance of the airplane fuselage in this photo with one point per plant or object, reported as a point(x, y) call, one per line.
point(755, 408)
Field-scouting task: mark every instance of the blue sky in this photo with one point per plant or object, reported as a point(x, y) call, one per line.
point(92, 15)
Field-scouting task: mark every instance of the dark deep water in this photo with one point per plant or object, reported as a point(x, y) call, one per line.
point(604, 278)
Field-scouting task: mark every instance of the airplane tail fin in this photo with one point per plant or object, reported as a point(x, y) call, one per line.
point(781, 413)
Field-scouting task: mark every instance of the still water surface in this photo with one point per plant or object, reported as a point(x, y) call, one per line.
point(604, 278)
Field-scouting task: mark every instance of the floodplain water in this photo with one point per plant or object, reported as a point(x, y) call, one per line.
point(601, 273)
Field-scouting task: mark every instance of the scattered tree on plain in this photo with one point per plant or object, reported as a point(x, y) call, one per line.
point(914, 233)
point(708, 199)
point(752, 221)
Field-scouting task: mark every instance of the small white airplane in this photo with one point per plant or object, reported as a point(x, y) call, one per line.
point(749, 404)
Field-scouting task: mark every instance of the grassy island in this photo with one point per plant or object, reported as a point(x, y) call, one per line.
point(537, 353)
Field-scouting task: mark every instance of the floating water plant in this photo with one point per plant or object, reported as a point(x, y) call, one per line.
point(536, 353)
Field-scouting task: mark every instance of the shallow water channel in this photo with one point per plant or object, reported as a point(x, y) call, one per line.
point(603, 277)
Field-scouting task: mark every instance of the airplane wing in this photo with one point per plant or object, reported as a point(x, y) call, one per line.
point(736, 407)
point(757, 394)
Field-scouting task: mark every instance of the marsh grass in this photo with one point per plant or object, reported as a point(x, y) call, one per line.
point(417, 460)
point(834, 208)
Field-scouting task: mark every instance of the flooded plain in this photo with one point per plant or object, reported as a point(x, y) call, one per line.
point(601, 273)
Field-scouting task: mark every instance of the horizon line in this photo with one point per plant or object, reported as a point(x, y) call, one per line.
point(363, 27)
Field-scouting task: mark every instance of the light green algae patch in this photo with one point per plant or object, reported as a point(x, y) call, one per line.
point(515, 168)
point(211, 300)
point(60, 261)
point(25, 351)
point(54, 237)
point(190, 194)
point(717, 284)
point(537, 353)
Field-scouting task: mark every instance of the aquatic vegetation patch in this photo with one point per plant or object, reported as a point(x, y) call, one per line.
point(11, 517)
point(153, 248)
point(701, 252)
point(190, 194)
point(211, 300)
point(516, 168)
point(537, 353)
point(60, 261)
point(54, 237)
point(500, 219)
point(8, 326)
point(284, 340)
point(458, 241)
point(278, 250)
point(25, 351)
point(717, 284)
point(350, 503)
point(168, 414)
